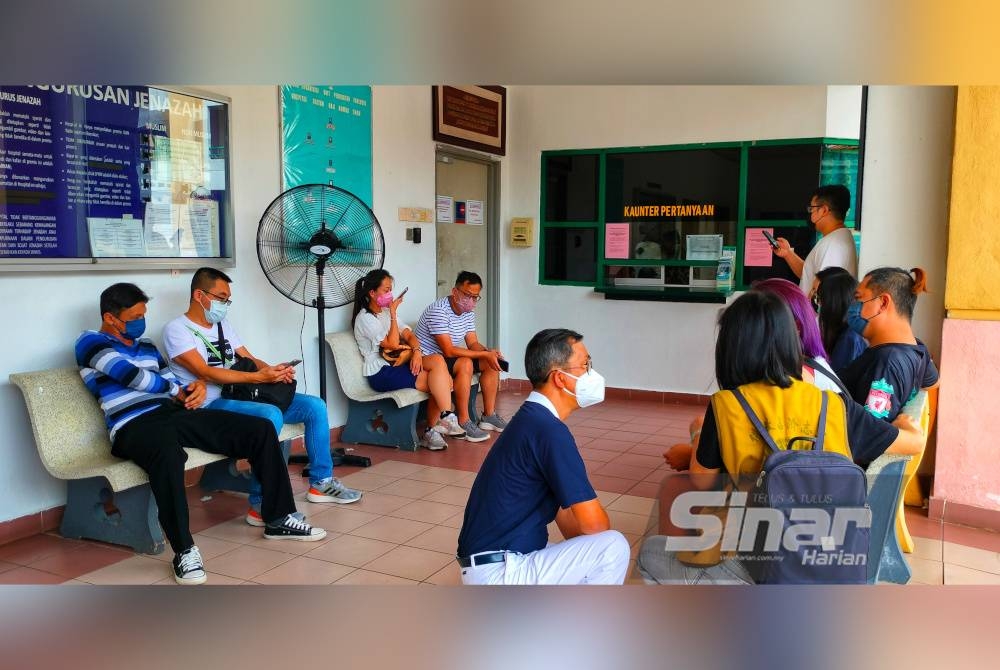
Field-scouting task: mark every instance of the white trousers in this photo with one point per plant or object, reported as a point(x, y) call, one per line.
point(601, 558)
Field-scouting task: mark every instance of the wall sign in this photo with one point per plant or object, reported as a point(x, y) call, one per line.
point(96, 171)
point(474, 117)
point(326, 137)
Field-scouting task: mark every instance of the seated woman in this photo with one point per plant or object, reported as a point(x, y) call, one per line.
point(376, 328)
point(832, 295)
point(759, 353)
point(815, 368)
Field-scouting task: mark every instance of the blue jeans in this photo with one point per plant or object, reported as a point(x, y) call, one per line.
point(307, 409)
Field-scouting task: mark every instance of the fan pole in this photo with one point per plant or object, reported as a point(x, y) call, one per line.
point(320, 305)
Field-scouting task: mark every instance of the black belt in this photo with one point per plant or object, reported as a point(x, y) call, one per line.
point(482, 559)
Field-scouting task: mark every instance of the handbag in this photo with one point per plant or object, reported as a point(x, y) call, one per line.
point(279, 394)
point(396, 357)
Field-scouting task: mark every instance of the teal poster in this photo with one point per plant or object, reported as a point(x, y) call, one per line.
point(839, 165)
point(326, 134)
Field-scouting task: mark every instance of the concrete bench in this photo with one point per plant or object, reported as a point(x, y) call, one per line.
point(107, 499)
point(383, 419)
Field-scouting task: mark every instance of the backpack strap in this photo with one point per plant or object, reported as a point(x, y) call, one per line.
point(766, 436)
point(826, 372)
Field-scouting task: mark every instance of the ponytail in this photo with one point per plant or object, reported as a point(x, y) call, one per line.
point(919, 281)
point(362, 287)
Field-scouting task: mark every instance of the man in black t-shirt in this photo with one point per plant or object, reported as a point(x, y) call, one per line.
point(896, 365)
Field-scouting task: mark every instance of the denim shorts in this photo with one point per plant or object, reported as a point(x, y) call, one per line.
point(391, 378)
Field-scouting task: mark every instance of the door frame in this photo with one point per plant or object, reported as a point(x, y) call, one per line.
point(493, 235)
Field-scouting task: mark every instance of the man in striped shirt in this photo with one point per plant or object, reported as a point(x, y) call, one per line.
point(448, 327)
point(151, 417)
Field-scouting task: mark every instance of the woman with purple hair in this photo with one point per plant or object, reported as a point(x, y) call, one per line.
point(815, 368)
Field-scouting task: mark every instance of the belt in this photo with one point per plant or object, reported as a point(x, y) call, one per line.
point(483, 558)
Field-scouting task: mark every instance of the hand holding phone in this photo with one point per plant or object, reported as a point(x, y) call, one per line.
point(403, 293)
point(770, 239)
point(292, 363)
point(504, 365)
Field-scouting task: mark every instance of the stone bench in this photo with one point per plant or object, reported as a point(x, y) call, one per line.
point(383, 419)
point(107, 498)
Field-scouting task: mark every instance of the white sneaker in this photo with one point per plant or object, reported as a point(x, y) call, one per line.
point(432, 440)
point(188, 567)
point(448, 425)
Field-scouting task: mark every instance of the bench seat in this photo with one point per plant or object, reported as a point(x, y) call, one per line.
point(107, 498)
point(383, 419)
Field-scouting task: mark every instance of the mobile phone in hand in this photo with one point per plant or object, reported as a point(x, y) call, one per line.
point(770, 239)
point(403, 293)
point(504, 365)
point(292, 363)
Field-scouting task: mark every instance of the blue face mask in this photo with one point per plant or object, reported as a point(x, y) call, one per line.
point(855, 321)
point(216, 311)
point(134, 328)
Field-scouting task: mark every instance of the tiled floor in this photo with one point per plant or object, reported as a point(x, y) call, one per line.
point(405, 529)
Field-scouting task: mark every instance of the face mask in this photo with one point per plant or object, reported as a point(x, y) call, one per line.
point(384, 300)
point(466, 304)
point(589, 388)
point(134, 328)
point(855, 321)
point(216, 311)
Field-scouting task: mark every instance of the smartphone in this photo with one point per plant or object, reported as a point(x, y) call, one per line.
point(403, 293)
point(504, 365)
point(770, 239)
point(294, 362)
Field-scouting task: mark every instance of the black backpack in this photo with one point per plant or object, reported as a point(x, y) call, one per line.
point(819, 502)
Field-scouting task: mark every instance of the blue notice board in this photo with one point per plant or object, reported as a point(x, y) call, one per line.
point(327, 137)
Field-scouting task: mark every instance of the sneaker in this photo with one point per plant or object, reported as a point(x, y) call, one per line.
point(474, 433)
point(448, 425)
point(188, 568)
point(254, 518)
point(432, 440)
point(492, 422)
point(293, 528)
point(333, 491)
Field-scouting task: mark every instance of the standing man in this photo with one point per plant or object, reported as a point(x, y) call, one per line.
point(202, 344)
point(448, 327)
point(534, 474)
point(827, 209)
point(151, 416)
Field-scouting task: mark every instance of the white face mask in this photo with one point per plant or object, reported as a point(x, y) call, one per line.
point(589, 388)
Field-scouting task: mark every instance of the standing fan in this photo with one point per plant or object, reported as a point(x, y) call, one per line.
point(314, 242)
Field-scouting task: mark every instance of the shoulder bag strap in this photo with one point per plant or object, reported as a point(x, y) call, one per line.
point(208, 345)
point(816, 365)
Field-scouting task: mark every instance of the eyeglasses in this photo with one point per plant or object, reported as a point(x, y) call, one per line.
point(589, 365)
point(474, 298)
point(224, 301)
point(810, 208)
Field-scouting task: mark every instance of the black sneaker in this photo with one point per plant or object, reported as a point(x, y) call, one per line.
point(292, 528)
point(188, 568)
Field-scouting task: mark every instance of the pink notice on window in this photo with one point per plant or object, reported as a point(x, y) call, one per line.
point(616, 240)
point(757, 250)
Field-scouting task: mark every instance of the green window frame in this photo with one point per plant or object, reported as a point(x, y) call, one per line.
point(743, 223)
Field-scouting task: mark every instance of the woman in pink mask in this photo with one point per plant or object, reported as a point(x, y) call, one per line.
point(377, 329)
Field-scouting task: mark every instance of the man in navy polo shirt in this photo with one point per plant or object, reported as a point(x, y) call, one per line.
point(534, 474)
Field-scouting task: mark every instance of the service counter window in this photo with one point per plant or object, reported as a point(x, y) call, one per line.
point(665, 216)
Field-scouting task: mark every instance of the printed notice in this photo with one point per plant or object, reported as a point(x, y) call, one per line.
point(115, 237)
point(616, 238)
point(199, 229)
point(474, 212)
point(160, 229)
point(445, 206)
point(756, 249)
